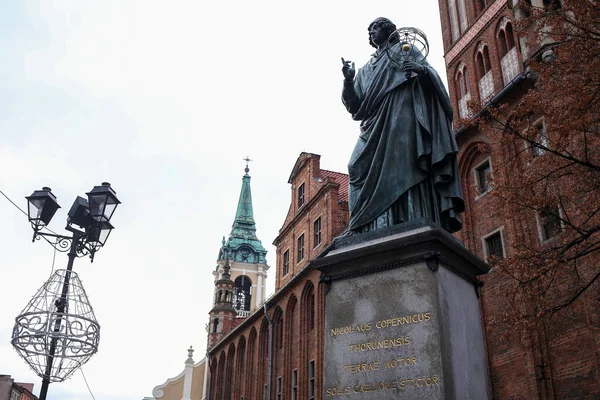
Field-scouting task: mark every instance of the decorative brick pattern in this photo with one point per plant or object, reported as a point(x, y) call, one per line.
point(474, 31)
point(486, 87)
point(510, 66)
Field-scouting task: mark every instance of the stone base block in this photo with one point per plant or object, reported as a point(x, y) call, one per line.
point(402, 318)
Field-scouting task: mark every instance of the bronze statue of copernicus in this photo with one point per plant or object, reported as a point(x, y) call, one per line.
point(404, 164)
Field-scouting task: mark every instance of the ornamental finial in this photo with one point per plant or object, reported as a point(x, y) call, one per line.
point(247, 159)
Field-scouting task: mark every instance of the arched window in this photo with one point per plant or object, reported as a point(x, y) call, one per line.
point(240, 364)
point(250, 365)
point(229, 375)
point(507, 52)
point(220, 378)
point(458, 18)
point(462, 81)
point(506, 40)
point(484, 75)
point(242, 293)
point(263, 364)
point(482, 60)
point(462, 90)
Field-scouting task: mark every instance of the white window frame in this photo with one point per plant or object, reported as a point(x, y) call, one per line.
point(475, 172)
point(484, 243)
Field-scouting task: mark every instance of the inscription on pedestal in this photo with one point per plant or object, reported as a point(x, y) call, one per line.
point(382, 336)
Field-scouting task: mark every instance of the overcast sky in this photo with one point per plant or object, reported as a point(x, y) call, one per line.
point(163, 99)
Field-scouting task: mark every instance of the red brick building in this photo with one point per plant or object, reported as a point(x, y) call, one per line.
point(278, 348)
point(487, 62)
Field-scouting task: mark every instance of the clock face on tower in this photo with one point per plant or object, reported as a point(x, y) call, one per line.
point(244, 253)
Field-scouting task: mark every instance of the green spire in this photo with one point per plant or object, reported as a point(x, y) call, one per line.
point(243, 245)
point(244, 217)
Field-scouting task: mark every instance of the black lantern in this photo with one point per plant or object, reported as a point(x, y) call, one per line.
point(79, 214)
point(103, 202)
point(97, 234)
point(42, 206)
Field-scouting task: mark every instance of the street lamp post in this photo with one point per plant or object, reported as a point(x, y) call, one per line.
point(59, 323)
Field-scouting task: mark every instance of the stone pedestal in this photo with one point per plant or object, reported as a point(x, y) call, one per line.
point(402, 317)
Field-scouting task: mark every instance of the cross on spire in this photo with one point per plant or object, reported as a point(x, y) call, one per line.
point(247, 159)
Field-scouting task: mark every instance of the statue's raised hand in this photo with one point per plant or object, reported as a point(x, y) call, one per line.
point(348, 70)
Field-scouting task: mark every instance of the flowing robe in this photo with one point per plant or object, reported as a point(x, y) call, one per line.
point(404, 164)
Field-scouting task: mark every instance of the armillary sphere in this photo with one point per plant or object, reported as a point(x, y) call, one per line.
point(407, 44)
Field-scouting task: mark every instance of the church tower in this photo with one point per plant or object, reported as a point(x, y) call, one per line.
point(222, 314)
point(244, 258)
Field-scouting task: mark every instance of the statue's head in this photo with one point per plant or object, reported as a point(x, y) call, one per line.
point(385, 25)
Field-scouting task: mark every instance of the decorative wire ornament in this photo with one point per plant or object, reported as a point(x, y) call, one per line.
point(74, 334)
point(407, 44)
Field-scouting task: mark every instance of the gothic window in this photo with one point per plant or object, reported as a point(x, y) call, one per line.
point(286, 263)
point(301, 195)
point(462, 81)
point(215, 325)
point(317, 232)
point(300, 248)
point(242, 293)
point(454, 24)
point(279, 330)
point(506, 39)
point(482, 60)
point(483, 69)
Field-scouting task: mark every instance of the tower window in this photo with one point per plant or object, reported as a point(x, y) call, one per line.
point(242, 293)
point(317, 232)
point(215, 325)
point(301, 195)
point(300, 248)
point(286, 263)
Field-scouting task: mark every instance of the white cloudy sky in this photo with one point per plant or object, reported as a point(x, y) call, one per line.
point(163, 100)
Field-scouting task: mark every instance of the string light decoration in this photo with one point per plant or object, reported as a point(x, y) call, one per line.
point(42, 331)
